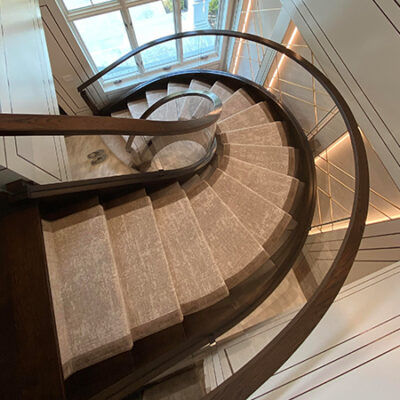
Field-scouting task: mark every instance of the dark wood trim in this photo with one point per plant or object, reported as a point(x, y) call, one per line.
point(60, 125)
point(89, 102)
point(158, 352)
point(154, 354)
point(30, 362)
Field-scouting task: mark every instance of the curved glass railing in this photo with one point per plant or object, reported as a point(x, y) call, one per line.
point(319, 111)
point(319, 117)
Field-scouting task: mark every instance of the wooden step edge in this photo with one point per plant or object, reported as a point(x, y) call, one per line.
point(265, 107)
point(294, 195)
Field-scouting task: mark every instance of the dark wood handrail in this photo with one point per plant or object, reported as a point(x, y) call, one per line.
point(260, 290)
point(272, 357)
point(268, 360)
point(261, 367)
point(60, 125)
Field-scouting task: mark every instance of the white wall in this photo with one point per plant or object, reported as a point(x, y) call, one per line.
point(357, 43)
point(26, 87)
point(69, 65)
point(353, 353)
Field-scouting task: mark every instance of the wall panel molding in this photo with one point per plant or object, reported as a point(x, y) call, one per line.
point(357, 46)
point(26, 86)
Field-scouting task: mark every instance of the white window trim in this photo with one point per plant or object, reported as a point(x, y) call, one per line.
point(123, 5)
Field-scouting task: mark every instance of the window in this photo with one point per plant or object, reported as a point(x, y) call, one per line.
point(108, 29)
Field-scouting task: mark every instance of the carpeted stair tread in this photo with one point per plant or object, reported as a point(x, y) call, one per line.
point(197, 280)
point(152, 96)
point(205, 106)
point(236, 103)
point(137, 107)
point(236, 252)
point(275, 187)
point(146, 282)
point(89, 308)
point(254, 115)
point(266, 221)
point(191, 102)
point(269, 134)
point(175, 107)
point(277, 158)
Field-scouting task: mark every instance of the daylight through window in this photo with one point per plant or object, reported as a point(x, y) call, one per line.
point(108, 29)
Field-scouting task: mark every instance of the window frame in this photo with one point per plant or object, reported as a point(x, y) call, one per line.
point(124, 80)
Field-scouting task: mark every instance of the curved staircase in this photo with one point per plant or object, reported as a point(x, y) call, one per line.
point(109, 282)
point(124, 269)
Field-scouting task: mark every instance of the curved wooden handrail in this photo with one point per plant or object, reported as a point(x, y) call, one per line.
point(216, 102)
point(60, 125)
point(272, 357)
point(266, 362)
point(262, 287)
point(261, 367)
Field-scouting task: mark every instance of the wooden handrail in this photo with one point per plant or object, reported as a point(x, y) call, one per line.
point(262, 366)
point(269, 360)
point(259, 289)
point(60, 125)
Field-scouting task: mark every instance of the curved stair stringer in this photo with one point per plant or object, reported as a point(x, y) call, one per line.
point(204, 326)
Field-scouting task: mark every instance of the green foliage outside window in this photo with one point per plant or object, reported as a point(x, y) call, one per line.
point(213, 7)
point(168, 5)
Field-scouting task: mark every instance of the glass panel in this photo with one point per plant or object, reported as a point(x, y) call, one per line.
point(75, 4)
point(199, 14)
point(106, 39)
point(152, 21)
